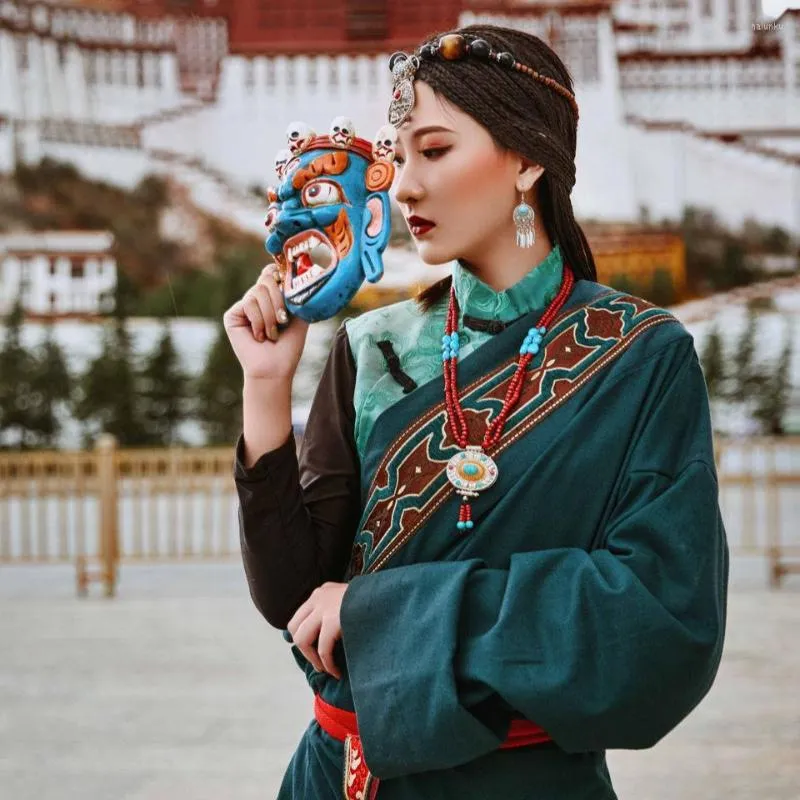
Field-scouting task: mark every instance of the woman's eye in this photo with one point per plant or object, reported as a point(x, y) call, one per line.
point(322, 193)
point(431, 153)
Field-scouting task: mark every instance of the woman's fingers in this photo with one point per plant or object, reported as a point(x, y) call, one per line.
point(299, 617)
point(329, 633)
point(306, 637)
point(275, 293)
point(266, 309)
point(252, 310)
point(261, 307)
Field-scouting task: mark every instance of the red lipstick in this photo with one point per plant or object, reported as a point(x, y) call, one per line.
point(419, 225)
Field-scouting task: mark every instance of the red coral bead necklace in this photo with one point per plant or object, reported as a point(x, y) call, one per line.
point(471, 470)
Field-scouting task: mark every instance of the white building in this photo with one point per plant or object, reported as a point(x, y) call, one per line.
point(58, 273)
point(683, 102)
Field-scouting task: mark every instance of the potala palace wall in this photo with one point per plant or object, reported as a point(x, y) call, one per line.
point(665, 122)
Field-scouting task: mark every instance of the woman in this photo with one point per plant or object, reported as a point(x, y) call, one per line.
point(491, 642)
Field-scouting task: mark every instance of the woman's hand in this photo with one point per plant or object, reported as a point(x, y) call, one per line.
point(315, 627)
point(252, 327)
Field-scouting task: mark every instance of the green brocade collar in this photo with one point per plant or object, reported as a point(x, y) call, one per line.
point(533, 291)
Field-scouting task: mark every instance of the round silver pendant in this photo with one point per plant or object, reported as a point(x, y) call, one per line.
point(472, 470)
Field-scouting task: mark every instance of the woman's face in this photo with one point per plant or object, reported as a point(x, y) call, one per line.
point(451, 172)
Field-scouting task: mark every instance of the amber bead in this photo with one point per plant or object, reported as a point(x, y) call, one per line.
point(452, 47)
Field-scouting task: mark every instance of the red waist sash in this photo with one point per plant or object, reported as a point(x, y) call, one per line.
point(359, 783)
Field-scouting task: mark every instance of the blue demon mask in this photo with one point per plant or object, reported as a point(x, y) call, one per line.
point(328, 221)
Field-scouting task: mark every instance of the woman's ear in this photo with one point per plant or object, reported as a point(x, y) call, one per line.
point(528, 174)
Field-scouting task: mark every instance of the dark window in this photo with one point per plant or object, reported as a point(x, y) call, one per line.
point(89, 64)
point(732, 16)
point(77, 269)
point(22, 53)
point(367, 19)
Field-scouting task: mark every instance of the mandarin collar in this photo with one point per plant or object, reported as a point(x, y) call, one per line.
point(534, 290)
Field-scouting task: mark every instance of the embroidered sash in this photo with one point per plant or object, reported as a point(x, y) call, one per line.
point(409, 482)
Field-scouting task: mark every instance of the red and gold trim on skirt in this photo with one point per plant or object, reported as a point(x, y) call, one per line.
point(359, 783)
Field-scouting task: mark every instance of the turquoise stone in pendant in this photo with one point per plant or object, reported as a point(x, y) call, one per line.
point(471, 469)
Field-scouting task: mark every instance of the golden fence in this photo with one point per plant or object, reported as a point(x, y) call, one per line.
point(99, 507)
point(759, 482)
point(109, 504)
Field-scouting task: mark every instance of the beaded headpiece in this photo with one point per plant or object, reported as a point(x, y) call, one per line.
point(454, 47)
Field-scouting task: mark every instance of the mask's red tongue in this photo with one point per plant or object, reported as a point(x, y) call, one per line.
point(304, 263)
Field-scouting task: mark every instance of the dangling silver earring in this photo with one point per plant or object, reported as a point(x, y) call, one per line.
point(523, 219)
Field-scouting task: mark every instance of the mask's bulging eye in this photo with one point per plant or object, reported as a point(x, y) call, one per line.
point(322, 193)
point(271, 218)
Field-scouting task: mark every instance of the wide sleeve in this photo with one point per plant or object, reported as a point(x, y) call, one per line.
point(298, 513)
point(603, 649)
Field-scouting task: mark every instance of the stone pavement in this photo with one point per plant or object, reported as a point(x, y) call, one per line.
point(177, 690)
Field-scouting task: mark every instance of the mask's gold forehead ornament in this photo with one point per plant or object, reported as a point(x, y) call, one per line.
point(454, 47)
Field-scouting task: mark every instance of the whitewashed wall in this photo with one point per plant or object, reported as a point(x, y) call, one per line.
point(44, 84)
point(674, 169)
point(723, 94)
point(7, 159)
point(259, 97)
point(58, 292)
point(605, 181)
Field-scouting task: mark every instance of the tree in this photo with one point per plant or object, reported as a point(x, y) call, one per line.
point(219, 392)
point(17, 367)
point(107, 401)
point(52, 387)
point(713, 361)
point(623, 283)
point(777, 240)
point(662, 290)
point(745, 375)
point(164, 392)
point(736, 270)
point(773, 400)
point(239, 268)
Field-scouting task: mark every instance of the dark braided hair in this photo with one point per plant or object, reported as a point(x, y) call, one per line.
point(525, 116)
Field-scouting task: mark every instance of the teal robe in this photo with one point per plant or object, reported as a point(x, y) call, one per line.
point(589, 597)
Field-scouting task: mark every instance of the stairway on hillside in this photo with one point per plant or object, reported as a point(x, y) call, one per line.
point(210, 190)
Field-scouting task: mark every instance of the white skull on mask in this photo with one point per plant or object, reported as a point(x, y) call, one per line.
point(342, 131)
point(384, 145)
point(299, 136)
point(281, 160)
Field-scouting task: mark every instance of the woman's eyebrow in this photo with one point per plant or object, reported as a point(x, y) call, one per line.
point(430, 129)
